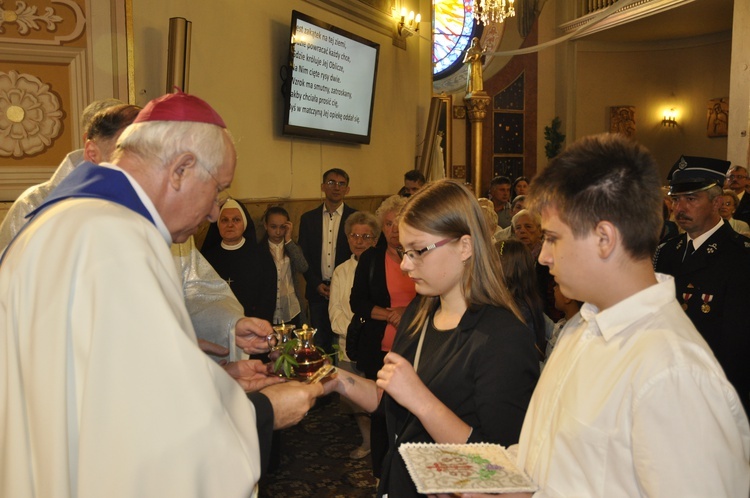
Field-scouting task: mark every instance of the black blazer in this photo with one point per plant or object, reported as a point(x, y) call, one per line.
point(713, 287)
point(743, 209)
point(311, 241)
point(485, 373)
point(364, 297)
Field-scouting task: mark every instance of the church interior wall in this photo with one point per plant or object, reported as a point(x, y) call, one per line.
point(238, 49)
point(238, 72)
point(654, 79)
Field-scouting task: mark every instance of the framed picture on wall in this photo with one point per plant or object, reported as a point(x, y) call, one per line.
point(622, 120)
point(717, 120)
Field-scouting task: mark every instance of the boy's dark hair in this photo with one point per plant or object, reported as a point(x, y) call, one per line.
point(336, 171)
point(414, 175)
point(604, 177)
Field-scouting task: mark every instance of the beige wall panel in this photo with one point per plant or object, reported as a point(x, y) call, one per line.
point(237, 52)
point(652, 80)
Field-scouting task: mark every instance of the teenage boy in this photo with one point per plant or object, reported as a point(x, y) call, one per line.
point(632, 402)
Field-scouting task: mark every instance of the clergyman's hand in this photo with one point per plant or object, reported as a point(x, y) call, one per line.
point(251, 335)
point(291, 401)
point(209, 347)
point(251, 375)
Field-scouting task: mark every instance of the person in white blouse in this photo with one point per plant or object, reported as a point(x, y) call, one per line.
point(362, 231)
point(729, 203)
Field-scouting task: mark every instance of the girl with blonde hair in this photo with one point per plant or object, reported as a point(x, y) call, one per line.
point(463, 365)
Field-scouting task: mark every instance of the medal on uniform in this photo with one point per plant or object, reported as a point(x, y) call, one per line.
point(685, 298)
point(707, 298)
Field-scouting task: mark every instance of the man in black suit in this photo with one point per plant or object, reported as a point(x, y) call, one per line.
point(323, 241)
point(737, 180)
point(710, 263)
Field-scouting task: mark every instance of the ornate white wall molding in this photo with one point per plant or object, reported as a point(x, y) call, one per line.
point(15, 179)
point(26, 18)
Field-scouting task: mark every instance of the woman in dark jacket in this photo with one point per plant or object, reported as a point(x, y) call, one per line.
point(463, 365)
point(380, 294)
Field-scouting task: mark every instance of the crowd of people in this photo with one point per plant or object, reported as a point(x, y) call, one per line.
point(554, 317)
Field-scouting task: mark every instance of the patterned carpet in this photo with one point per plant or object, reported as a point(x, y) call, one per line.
point(315, 459)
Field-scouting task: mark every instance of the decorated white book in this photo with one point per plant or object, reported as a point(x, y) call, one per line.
point(464, 468)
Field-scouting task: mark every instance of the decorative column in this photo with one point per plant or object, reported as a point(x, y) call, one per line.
point(477, 103)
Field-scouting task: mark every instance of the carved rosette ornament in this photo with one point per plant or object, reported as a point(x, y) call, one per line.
point(30, 115)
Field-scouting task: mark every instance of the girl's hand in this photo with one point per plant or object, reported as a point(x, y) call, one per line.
point(401, 382)
point(288, 233)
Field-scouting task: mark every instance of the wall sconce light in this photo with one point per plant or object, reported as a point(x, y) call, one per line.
point(408, 24)
point(670, 118)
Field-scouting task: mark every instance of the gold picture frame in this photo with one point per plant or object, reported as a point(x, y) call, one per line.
point(622, 120)
point(717, 117)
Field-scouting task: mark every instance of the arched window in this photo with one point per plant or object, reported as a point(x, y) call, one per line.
point(453, 29)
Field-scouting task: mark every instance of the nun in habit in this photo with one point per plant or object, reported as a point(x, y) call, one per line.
point(232, 257)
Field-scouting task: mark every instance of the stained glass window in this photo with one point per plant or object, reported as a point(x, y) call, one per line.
point(453, 29)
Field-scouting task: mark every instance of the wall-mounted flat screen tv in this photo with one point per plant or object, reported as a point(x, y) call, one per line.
point(330, 90)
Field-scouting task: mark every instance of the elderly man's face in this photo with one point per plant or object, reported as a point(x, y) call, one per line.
point(737, 179)
point(527, 231)
point(695, 213)
point(198, 196)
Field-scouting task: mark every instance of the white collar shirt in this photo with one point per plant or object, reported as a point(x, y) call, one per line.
point(331, 223)
point(698, 241)
point(287, 304)
point(633, 403)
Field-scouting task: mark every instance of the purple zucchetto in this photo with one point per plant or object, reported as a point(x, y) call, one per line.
point(180, 106)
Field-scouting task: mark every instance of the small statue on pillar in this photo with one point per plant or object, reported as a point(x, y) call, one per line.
point(474, 58)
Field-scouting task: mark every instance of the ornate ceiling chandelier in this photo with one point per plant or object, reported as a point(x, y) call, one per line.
point(489, 11)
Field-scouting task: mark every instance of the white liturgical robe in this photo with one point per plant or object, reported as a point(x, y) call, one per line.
point(213, 308)
point(105, 391)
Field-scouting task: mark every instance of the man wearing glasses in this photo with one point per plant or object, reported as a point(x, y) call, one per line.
point(737, 181)
point(323, 241)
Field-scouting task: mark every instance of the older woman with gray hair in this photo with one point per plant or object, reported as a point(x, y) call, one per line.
point(380, 294)
point(362, 231)
point(729, 203)
point(527, 226)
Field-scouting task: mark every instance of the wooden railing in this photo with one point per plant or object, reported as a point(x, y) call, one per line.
point(590, 6)
point(589, 10)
